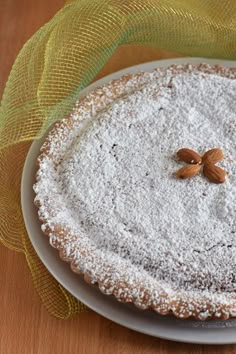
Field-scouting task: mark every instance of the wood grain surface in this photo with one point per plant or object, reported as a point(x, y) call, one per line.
point(25, 326)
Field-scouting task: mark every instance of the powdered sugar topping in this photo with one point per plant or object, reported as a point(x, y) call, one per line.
point(115, 191)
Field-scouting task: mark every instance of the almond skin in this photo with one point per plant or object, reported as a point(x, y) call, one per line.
point(189, 156)
point(214, 173)
point(212, 156)
point(188, 171)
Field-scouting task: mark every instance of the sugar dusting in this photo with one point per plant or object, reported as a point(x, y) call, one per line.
point(130, 220)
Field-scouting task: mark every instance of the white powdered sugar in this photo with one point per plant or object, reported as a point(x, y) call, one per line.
point(114, 188)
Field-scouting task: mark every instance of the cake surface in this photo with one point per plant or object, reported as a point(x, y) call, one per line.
point(109, 202)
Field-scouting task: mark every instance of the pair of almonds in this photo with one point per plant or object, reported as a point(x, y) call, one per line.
point(210, 157)
point(214, 173)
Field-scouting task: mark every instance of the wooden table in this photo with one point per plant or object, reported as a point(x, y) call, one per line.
point(25, 326)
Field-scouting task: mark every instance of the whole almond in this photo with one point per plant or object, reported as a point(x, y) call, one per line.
point(188, 171)
point(189, 156)
point(212, 156)
point(214, 173)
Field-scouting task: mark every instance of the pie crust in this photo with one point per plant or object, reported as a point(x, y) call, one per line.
point(113, 274)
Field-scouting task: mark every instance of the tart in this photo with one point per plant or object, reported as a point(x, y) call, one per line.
point(109, 200)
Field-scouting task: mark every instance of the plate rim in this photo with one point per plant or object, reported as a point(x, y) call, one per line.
point(25, 205)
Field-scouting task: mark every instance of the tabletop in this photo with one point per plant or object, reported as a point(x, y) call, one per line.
point(26, 327)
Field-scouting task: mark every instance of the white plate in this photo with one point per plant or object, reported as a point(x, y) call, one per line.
point(211, 332)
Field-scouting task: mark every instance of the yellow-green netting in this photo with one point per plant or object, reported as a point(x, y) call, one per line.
point(62, 58)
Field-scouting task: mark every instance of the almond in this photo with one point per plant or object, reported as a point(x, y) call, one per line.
point(214, 173)
point(189, 156)
point(212, 156)
point(188, 171)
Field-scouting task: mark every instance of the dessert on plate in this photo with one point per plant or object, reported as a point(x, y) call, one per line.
point(113, 201)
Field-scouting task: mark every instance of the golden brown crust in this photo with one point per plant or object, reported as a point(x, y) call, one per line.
point(180, 305)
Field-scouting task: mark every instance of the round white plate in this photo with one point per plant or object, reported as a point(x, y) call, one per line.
point(210, 332)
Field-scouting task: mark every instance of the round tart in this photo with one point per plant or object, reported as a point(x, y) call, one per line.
point(109, 201)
